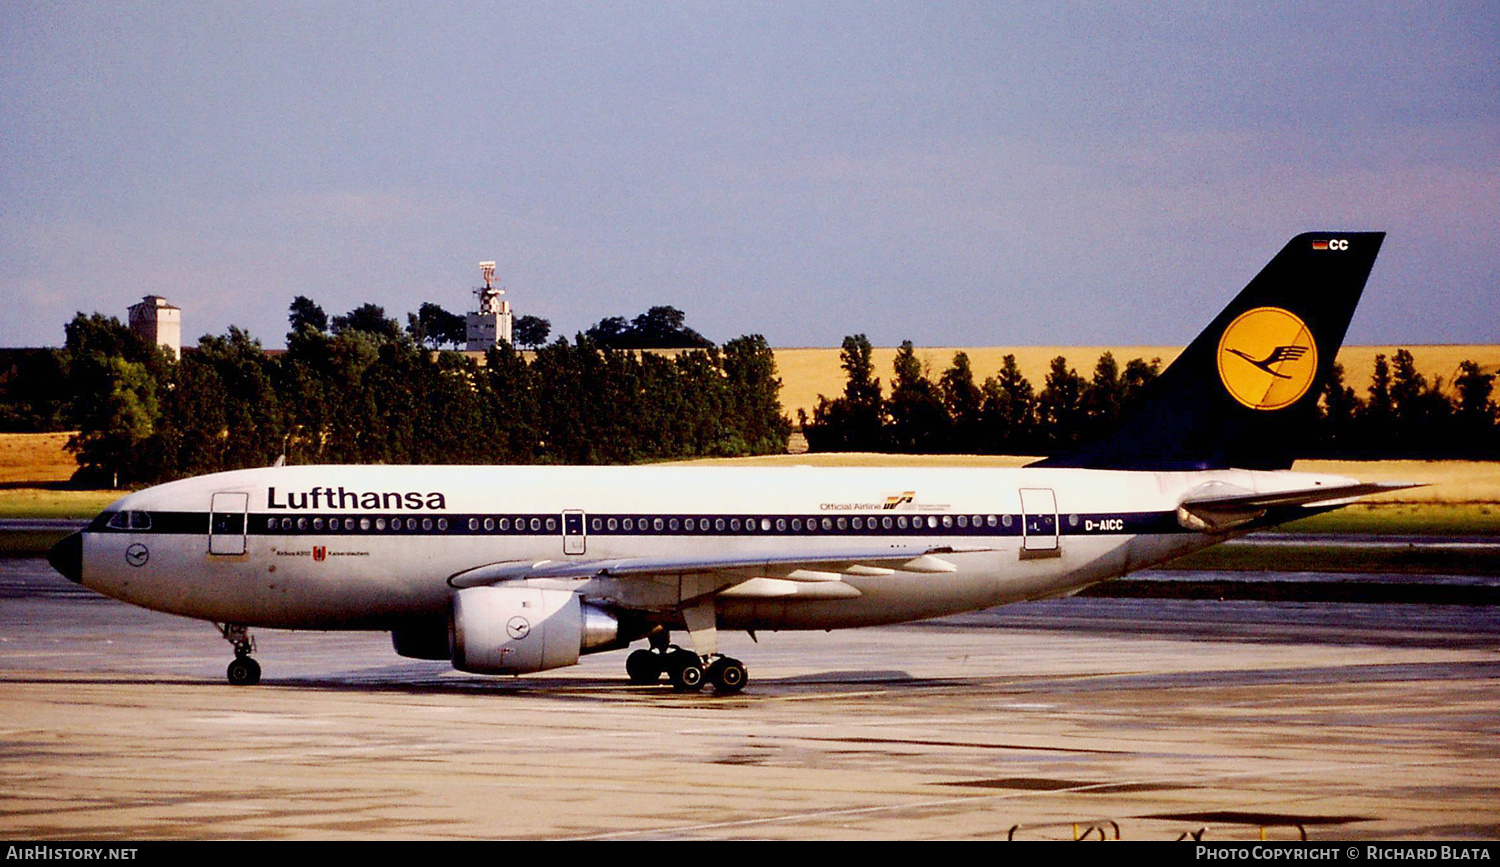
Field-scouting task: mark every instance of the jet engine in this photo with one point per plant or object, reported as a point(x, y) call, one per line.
point(515, 630)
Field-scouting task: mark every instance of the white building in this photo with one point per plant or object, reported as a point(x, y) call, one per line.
point(159, 322)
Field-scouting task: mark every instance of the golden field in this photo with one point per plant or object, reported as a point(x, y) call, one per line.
point(807, 373)
point(35, 458)
point(1442, 481)
point(30, 463)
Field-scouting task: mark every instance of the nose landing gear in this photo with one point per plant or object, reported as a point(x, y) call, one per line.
point(244, 671)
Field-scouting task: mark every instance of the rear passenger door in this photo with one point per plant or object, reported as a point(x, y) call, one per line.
point(1038, 520)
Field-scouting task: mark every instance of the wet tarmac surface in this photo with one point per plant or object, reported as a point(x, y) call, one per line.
point(1034, 721)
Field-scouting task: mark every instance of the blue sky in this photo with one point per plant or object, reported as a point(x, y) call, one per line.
point(949, 173)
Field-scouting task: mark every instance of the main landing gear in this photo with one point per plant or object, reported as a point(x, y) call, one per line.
point(244, 671)
point(686, 670)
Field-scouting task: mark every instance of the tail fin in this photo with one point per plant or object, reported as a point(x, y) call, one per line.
point(1245, 390)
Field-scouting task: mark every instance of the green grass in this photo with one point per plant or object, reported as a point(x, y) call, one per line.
point(28, 543)
point(1355, 591)
point(48, 503)
point(1381, 519)
point(1434, 519)
point(1382, 559)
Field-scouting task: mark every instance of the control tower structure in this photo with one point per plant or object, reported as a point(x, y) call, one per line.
point(492, 322)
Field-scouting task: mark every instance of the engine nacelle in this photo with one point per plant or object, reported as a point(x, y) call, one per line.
point(515, 630)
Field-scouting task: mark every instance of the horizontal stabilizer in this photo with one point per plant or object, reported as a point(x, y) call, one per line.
point(1215, 514)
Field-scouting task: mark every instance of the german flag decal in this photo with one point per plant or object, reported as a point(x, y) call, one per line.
point(1267, 358)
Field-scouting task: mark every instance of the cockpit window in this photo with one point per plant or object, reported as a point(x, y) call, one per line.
point(130, 521)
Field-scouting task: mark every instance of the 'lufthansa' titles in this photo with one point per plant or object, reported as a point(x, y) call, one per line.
point(340, 498)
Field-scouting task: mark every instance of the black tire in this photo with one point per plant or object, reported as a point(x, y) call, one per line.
point(673, 660)
point(728, 676)
point(687, 678)
point(244, 671)
point(643, 667)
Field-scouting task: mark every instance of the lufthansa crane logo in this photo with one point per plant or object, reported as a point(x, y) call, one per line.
point(1267, 358)
point(137, 555)
point(518, 627)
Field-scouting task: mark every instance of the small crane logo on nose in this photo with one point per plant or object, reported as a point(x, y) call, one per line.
point(137, 555)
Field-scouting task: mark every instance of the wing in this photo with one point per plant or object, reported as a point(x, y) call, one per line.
point(905, 558)
point(1214, 513)
point(668, 582)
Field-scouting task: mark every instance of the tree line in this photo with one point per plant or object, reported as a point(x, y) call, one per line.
point(360, 389)
point(1401, 414)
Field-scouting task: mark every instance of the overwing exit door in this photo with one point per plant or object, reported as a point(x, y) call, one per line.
point(575, 540)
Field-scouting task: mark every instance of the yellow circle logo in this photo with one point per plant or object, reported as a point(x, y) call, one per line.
point(1267, 358)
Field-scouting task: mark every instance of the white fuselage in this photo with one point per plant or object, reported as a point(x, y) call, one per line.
point(348, 547)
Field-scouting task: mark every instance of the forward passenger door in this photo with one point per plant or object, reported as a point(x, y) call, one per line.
point(226, 522)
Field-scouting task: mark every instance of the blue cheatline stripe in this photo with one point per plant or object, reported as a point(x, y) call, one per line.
point(873, 525)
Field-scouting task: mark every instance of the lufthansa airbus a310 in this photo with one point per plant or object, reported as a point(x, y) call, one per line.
point(516, 569)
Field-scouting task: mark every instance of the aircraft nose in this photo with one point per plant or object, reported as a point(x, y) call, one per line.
point(67, 557)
